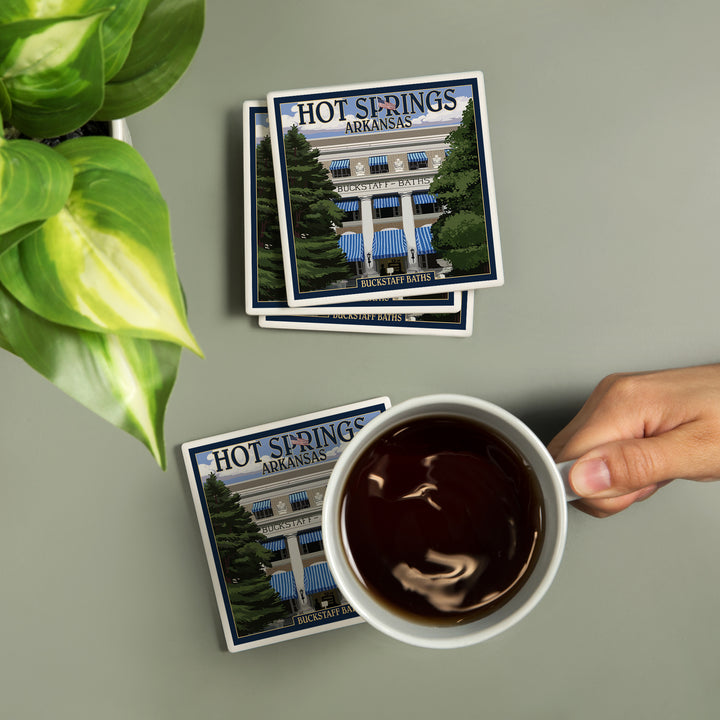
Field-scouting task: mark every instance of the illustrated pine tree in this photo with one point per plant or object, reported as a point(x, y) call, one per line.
point(320, 261)
point(271, 280)
point(460, 233)
point(255, 603)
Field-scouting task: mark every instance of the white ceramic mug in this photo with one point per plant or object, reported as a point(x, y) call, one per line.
point(555, 490)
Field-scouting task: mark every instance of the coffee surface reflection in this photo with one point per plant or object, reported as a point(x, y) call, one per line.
point(442, 520)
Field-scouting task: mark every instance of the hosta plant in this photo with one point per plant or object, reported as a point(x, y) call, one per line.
point(89, 292)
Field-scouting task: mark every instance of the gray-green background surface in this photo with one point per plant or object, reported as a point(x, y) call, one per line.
point(604, 126)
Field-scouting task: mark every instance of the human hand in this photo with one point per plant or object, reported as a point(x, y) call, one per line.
point(637, 432)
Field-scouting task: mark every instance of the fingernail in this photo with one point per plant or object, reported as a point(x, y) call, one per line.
point(590, 477)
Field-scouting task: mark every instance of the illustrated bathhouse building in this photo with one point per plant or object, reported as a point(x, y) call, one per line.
point(388, 208)
point(287, 509)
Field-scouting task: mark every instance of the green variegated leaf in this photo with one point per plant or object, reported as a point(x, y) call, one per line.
point(105, 262)
point(5, 104)
point(35, 182)
point(125, 380)
point(53, 73)
point(12, 238)
point(12, 10)
point(4, 342)
point(102, 153)
point(163, 46)
point(117, 30)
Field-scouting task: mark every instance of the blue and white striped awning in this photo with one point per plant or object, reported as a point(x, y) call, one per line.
point(353, 247)
point(417, 157)
point(423, 240)
point(340, 165)
point(389, 244)
point(318, 578)
point(348, 205)
point(309, 536)
point(386, 201)
point(298, 497)
point(275, 544)
point(283, 583)
point(260, 505)
point(378, 160)
point(424, 199)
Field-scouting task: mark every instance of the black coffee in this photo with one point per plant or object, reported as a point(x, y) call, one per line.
point(443, 520)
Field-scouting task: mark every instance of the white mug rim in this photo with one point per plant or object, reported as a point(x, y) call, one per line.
point(426, 635)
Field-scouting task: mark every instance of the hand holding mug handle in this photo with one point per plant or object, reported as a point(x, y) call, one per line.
point(639, 431)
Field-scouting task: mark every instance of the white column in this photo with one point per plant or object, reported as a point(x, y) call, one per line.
point(366, 216)
point(297, 567)
point(408, 218)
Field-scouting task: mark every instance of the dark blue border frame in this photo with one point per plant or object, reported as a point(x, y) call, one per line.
point(268, 305)
point(380, 89)
point(461, 324)
point(239, 640)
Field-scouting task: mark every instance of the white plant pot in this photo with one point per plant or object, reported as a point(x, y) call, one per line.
point(120, 131)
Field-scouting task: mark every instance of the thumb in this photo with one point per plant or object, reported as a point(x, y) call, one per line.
point(625, 466)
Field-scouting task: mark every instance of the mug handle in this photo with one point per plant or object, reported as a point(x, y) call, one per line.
point(564, 470)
